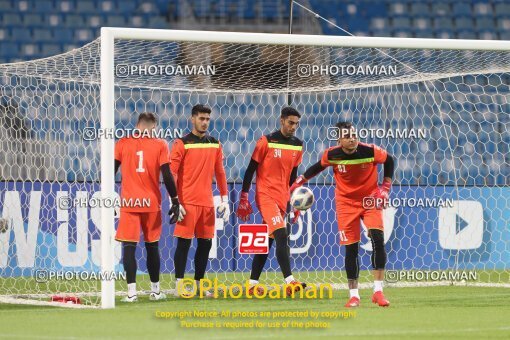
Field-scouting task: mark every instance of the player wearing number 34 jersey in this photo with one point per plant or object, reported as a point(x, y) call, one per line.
point(275, 159)
point(358, 197)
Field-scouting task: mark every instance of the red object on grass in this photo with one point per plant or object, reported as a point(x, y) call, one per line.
point(66, 299)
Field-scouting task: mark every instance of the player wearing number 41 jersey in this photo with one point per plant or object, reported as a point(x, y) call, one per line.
point(141, 161)
point(195, 159)
point(358, 197)
point(275, 159)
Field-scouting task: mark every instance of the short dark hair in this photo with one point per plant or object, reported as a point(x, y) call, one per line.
point(290, 111)
point(147, 117)
point(199, 108)
point(343, 126)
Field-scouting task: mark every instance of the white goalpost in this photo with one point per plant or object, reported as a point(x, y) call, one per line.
point(441, 107)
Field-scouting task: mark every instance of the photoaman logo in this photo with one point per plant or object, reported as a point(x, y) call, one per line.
point(188, 288)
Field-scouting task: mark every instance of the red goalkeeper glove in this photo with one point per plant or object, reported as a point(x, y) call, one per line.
point(381, 195)
point(294, 216)
point(244, 208)
point(299, 182)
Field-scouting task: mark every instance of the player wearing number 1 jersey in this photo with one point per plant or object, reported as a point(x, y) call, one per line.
point(275, 159)
point(141, 161)
point(358, 197)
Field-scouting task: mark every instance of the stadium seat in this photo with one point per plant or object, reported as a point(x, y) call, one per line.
point(62, 35)
point(42, 34)
point(422, 24)
point(50, 49)
point(115, 21)
point(11, 19)
point(74, 20)
point(371, 9)
point(136, 21)
point(419, 9)
point(126, 7)
point(106, 6)
point(504, 35)
point(158, 22)
point(503, 24)
point(482, 9)
point(444, 34)
point(502, 9)
point(466, 34)
point(398, 8)
point(461, 9)
point(35, 20)
point(401, 23)
point(88, 6)
point(423, 34)
point(487, 35)
point(9, 49)
point(6, 5)
point(21, 34)
point(147, 8)
point(66, 6)
point(443, 23)
point(463, 23)
point(83, 35)
point(55, 20)
point(379, 24)
point(485, 23)
point(440, 8)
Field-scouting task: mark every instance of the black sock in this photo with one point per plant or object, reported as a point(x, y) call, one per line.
point(351, 261)
point(181, 256)
point(129, 261)
point(282, 251)
point(202, 257)
point(378, 257)
point(258, 263)
point(153, 260)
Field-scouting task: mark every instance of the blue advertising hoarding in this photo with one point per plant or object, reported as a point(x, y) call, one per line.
point(458, 228)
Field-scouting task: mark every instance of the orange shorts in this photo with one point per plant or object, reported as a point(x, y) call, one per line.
point(130, 223)
point(349, 214)
point(272, 215)
point(198, 222)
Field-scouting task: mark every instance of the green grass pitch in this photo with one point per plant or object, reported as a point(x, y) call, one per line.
point(425, 312)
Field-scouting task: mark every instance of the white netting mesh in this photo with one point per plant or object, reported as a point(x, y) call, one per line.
point(459, 98)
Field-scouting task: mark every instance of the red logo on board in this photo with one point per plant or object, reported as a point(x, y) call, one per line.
point(253, 239)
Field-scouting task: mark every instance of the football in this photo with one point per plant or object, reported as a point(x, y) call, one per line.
point(302, 198)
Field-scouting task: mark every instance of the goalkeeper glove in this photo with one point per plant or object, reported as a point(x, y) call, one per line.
point(223, 209)
point(244, 208)
point(299, 182)
point(294, 216)
point(177, 211)
point(381, 195)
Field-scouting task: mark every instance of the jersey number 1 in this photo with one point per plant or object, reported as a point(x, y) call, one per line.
point(140, 162)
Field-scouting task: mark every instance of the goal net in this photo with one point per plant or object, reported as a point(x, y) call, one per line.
point(441, 108)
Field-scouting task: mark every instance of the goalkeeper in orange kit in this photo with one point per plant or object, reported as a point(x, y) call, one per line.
point(358, 197)
point(275, 160)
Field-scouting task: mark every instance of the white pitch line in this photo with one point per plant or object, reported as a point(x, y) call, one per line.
point(20, 336)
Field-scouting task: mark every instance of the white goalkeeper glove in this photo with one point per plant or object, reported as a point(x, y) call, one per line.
point(177, 211)
point(223, 209)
